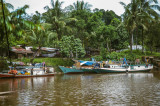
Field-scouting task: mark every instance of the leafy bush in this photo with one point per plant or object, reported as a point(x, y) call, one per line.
point(103, 52)
point(98, 58)
point(136, 54)
point(25, 60)
point(125, 54)
point(3, 64)
point(70, 47)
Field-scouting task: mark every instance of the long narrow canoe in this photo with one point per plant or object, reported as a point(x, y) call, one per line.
point(3, 75)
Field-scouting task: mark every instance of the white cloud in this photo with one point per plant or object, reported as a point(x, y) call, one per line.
point(38, 5)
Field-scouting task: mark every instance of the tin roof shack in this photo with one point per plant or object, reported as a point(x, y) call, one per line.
point(19, 52)
point(49, 52)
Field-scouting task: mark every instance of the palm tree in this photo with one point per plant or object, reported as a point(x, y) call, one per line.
point(54, 17)
point(57, 19)
point(80, 5)
point(56, 9)
point(139, 13)
point(130, 17)
point(148, 10)
point(4, 9)
point(38, 37)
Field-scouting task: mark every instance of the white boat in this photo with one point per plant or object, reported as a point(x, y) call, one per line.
point(124, 68)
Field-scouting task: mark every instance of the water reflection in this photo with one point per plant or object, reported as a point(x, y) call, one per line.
point(84, 89)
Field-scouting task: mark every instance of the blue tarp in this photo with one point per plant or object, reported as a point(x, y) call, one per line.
point(87, 62)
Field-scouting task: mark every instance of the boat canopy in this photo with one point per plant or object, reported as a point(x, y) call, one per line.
point(88, 63)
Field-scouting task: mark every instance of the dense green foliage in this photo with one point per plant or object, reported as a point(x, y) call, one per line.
point(76, 28)
point(3, 64)
point(71, 47)
point(117, 56)
point(140, 14)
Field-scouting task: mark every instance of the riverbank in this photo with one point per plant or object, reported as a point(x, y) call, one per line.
point(153, 58)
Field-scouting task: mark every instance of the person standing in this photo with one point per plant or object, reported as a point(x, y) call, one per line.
point(44, 66)
point(32, 71)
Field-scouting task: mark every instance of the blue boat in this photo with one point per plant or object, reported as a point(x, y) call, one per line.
point(70, 70)
point(80, 67)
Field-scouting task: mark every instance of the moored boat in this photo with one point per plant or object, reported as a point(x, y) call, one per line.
point(28, 72)
point(80, 66)
point(70, 70)
point(5, 75)
point(126, 68)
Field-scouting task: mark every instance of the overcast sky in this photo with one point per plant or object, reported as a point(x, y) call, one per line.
point(38, 5)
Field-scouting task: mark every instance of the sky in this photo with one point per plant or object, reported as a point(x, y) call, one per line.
point(38, 5)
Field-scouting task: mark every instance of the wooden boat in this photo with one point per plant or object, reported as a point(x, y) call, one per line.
point(127, 68)
point(99, 67)
point(70, 70)
point(80, 66)
point(35, 72)
point(87, 66)
point(4, 75)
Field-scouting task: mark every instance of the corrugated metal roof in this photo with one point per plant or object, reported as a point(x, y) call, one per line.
point(20, 50)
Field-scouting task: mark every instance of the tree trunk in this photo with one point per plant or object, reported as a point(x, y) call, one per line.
point(71, 54)
point(151, 47)
point(142, 41)
point(8, 44)
point(76, 54)
point(39, 50)
point(131, 34)
point(108, 47)
point(35, 54)
point(132, 39)
point(136, 37)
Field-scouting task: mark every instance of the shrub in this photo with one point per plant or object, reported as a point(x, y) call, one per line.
point(103, 52)
point(25, 60)
point(98, 58)
point(3, 64)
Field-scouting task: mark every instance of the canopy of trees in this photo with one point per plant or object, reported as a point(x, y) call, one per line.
point(76, 28)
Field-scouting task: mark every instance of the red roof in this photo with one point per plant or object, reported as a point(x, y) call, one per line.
point(20, 50)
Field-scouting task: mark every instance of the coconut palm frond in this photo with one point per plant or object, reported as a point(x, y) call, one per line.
point(10, 6)
point(46, 8)
point(123, 4)
point(157, 7)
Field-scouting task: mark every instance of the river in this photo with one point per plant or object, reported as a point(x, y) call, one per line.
point(83, 89)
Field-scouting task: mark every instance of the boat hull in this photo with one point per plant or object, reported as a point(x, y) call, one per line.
point(88, 71)
point(70, 70)
point(108, 70)
point(24, 76)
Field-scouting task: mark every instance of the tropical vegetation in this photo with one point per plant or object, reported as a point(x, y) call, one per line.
point(76, 29)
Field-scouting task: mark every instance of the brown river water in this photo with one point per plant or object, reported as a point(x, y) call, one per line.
point(125, 89)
